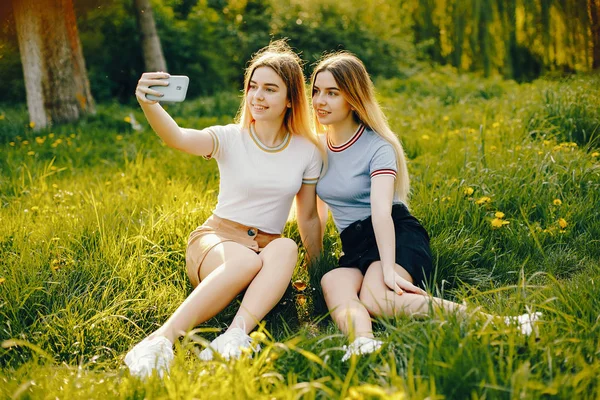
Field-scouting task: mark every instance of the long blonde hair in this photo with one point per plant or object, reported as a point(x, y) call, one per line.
point(280, 58)
point(358, 90)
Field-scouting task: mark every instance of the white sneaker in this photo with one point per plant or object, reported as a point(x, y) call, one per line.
point(361, 345)
point(149, 355)
point(229, 345)
point(525, 322)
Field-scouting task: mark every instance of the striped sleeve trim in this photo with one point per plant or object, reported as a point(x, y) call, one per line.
point(215, 140)
point(381, 172)
point(310, 181)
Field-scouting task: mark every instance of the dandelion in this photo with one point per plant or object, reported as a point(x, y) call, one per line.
point(499, 214)
point(2, 280)
point(493, 148)
point(468, 191)
point(518, 148)
point(499, 223)
point(25, 142)
point(127, 119)
point(119, 137)
point(495, 124)
point(53, 168)
point(425, 137)
point(540, 153)
point(557, 202)
point(258, 336)
point(72, 136)
point(30, 153)
point(562, 223)
point(51, 135)
point(483, 200)
point(595, 154)
point(446, 118)
point(40, 140)
point(31, 124)
point(1, 117)
point(12, 144)
point(445, 199)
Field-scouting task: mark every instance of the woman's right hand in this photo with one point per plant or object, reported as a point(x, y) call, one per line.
point(150, 79)
point(394, 281)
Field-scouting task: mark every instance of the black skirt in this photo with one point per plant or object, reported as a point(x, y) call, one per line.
point(413, 253)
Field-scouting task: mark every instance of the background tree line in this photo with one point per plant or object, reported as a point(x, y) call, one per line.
point(211, 40)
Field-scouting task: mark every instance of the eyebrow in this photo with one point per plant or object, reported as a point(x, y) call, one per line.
point(329, 88)
point(266, 84)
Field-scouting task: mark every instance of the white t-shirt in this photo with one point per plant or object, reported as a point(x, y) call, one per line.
point(258, 183)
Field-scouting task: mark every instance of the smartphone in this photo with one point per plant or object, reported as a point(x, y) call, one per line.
point(175, 91)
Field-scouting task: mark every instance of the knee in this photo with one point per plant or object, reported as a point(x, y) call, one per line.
point(250, 266)
point(288, 247)
point(328, 281)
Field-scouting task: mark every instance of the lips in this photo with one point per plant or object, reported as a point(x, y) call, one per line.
point(322, 112)
point(258, 107)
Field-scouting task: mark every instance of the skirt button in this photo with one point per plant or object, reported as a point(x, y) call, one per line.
point(251, 232)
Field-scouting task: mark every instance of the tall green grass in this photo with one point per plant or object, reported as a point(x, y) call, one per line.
point(94, 219)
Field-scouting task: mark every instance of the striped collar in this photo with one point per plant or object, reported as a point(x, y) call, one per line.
point(275, 149)
point(349, 142)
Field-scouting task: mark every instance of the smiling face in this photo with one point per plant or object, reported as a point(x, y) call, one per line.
point(328, 102)
point(266, 95)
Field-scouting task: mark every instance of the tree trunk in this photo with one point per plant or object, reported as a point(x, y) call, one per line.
point(154, 59)
point(594, 10)
point(53, 67)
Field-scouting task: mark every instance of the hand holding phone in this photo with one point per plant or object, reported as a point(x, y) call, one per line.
point(160, 86)
point(175, 90)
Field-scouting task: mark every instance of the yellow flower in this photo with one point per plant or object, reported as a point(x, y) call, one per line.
point(40, 140)
point(495, 124)
point(493, 148)
point(447, 198)
point(127, 119)
point(557, 202)
point(468, 191)
point(2, 280)
point(499, 223)
point(32, 124)
point(258, 336)
point(425, 137)
point(30, 153)
point(25, 142)
point(35, 208)
point(1, 117)
point(446, 118)
point(562, 223)
point(547, 142)
point(12, 144)
point(119, 137)
point(517, 148)
point(53, 168)
point(499, 214)
point(51, 135)
point(595, 154)
point(483, 200)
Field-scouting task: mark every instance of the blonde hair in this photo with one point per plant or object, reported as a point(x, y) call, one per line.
point(280, 58)
point(358, 90)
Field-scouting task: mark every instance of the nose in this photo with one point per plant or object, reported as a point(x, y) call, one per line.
point(319, 99)
point(259, 94)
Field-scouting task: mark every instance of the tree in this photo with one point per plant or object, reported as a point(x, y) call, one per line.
point(154, 59)
point(56, 81)
point(594, 10)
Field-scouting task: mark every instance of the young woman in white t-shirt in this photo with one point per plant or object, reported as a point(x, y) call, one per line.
point(268, 157)
point(387, 260)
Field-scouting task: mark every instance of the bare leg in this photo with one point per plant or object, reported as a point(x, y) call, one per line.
point(278, 262)
point(340, 288)
point(227, 270)
point(380, 300)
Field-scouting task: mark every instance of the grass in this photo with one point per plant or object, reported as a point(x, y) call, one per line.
point(94, 219)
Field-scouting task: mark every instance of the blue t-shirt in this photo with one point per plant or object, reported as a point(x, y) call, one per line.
point(346, 185)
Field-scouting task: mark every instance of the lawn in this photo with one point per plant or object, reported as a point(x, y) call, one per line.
point(94, 219)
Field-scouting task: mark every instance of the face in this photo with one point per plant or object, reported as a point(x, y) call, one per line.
point(328, 102)
point(266, 97)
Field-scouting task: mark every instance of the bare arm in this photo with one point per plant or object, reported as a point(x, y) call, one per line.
point(323, 211)
point(308, 221)
point(382, 195)
point(192, 141)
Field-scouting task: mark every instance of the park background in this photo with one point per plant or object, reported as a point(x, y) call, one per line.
point(496, 103)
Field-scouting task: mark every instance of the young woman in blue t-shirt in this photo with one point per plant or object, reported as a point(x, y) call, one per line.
point(386, 259)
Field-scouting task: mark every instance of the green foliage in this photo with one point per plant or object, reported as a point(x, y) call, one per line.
point(95, 218)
